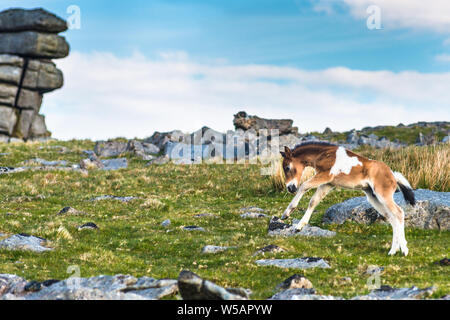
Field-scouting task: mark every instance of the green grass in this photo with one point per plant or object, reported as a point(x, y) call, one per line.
point(131, 240)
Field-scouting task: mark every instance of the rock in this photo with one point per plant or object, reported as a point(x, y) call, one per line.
point(8, 93)
point(253, 215)
point(444, 262)
point(193, 228)
point(38, 128)
point(118, 287)
point(42, 76)
point(89, 226)
point(159, 160)
point(8, 118)
point(88, 164)
point(166, 223)
point(34, 44)
point(29, 99)
point(24, 242)
point(271, 248)
point(9, 74)
point(389, 293)
point(115, 164)
point(432, 210)
point(252, 209)
point(11, 60)
point(62, 163)
point(278, 228)
point(289, 140)
point(192, 287)
point(446, 139)
point(110, 148)
point(296, 281)
point(298, 263)
point(11, 285)
point(327, 131)
point(301, 294)
point(26, 20)
point(6, 170)
point(160, 139)
point(71, 211)
point(374, 270)
point(352, 137)
point(138, 149)
point(109, 197)
point(23, 125)
point(215, 249)
point(246, 122)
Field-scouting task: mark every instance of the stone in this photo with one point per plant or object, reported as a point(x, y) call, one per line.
point(34, 44)
point(166, 223)
point(246, 122)
point(11, 60)
point(10, 74)
point(298, 263)
point(295, 281)
point(327, 131)
point(24, 242)
point(115, 164)
point(88, 226)
point(215, 249)
point(444, 262)
point(42, 76)
point(372, 269)
point(253, 215)
point(193, 228)
point(432, 210)
point(109, 197)
point(193, 287)
point(45, 163)
point(23, 125)
point(11, 285)
point(389, 293)
point(110, 148)
point(6, 170)
point(71, 211)
point(271, 248)
point(38, 128)
point(352, 137)
point(446, 139)
point(301, 294)
point(35, 19)
point(8, 93)
point(8, 118)
point(252, 209)
point(118, 287)
point(278, 228)
point(159, 160)
point(160, 139)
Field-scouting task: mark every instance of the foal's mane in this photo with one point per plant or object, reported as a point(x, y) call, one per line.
point(313, 143)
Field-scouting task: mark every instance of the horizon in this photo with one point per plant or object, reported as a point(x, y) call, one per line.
point(166, 65)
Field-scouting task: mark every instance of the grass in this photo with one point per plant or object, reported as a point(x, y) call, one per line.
point(132, 241)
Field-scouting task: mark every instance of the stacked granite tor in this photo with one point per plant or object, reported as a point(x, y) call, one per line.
point(28, 41)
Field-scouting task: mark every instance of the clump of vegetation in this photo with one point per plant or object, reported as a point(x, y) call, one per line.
point(426, 167)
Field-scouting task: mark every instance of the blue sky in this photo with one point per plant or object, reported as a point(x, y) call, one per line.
point(305, 37)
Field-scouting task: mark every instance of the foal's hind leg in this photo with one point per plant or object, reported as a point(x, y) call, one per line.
point(399, 218)
point(380, 207)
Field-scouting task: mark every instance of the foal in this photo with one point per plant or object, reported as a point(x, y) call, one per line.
point(338, 167)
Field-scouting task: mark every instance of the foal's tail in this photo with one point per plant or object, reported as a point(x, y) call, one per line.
point(405, 188)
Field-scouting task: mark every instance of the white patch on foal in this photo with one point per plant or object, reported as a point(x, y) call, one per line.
point(344, 163)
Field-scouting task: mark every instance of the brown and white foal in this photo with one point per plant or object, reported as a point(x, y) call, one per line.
point(337, 167)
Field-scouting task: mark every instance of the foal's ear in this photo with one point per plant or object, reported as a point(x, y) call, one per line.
point(283, 154)
point(288, 152)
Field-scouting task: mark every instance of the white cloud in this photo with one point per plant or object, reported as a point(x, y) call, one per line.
point(443, 57)
point(417, 14)
point(107, 96)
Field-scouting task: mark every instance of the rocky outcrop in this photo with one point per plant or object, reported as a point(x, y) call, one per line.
point(246, 122)
point(28, 40)
point(278, 228)
point(432, 210)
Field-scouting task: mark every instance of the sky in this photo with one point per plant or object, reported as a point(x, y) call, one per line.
point(141, 66)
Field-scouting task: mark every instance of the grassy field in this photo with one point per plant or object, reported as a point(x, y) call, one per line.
point(132, 241)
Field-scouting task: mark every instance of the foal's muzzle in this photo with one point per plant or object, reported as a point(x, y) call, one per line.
point(292, 188)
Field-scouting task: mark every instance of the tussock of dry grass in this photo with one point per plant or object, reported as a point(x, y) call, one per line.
point(424, 167)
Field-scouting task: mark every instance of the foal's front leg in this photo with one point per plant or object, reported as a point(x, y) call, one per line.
point(294, 203)
point(321, 192)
